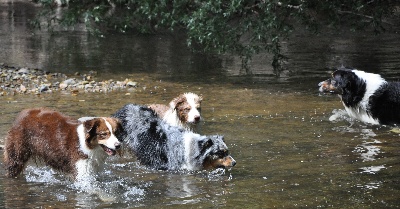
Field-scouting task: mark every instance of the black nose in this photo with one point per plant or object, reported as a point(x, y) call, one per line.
point(197, 118)
point(233, 163)
point(117, 145)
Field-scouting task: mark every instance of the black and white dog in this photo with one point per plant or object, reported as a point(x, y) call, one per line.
point(161, 146)
point(366, 96)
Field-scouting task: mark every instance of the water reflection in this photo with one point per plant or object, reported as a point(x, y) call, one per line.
point(182, 187)
point(369, 149)
point(68, 52)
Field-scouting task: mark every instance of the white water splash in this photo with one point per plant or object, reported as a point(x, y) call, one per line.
point(40, 174)
point(339, 115)
point(372, 169)
point(368, 150)
point(370, 185)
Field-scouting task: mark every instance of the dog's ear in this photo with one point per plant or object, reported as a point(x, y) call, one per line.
point(217, 137)
point(341, 80)
point(345, 80)
point(200, 98)
point(113, 121)
point(90, 129)
point(177, 101)
point(117, 126)
point(222, 138)
point(205, 143)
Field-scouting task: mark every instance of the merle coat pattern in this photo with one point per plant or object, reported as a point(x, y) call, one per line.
point(159, 145)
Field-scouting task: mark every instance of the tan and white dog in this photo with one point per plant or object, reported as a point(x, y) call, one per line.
point(183, 111)
point(65, 144)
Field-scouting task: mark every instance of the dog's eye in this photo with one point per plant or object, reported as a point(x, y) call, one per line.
point(103, 134)
point(222, 153)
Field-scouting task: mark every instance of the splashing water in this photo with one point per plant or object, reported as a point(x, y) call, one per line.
point(340, 115)
point(372, 169)
point(368, 150)
point(41, 174)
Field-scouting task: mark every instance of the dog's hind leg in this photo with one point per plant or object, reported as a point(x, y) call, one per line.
point(16, 155)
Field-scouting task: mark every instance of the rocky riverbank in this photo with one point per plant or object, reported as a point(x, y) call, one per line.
point(14, 80)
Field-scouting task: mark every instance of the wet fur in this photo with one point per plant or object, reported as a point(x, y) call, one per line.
point(183, 111)
point(63, 143)
point(366, 96)
point(161, 146)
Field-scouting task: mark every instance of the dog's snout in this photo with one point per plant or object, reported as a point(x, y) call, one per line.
point(233, 163)
point(197, 118)
point(325, 82)
point(117, 145)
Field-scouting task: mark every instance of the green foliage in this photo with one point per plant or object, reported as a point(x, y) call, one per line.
point(243, 27)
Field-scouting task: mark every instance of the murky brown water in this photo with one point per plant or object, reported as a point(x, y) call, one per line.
point(288, 153)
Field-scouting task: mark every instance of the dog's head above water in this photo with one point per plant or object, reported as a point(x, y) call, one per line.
point(215, 153)
point(343, 80)
point(187, 107)
point(102, 132)
point(329, 86)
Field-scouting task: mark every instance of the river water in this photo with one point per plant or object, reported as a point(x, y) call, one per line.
point(288, 153)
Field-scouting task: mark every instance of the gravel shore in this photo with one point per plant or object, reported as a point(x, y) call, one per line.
point(14, 80)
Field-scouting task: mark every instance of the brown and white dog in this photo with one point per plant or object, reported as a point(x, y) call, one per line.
point(183, 111)
point(65, 144)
